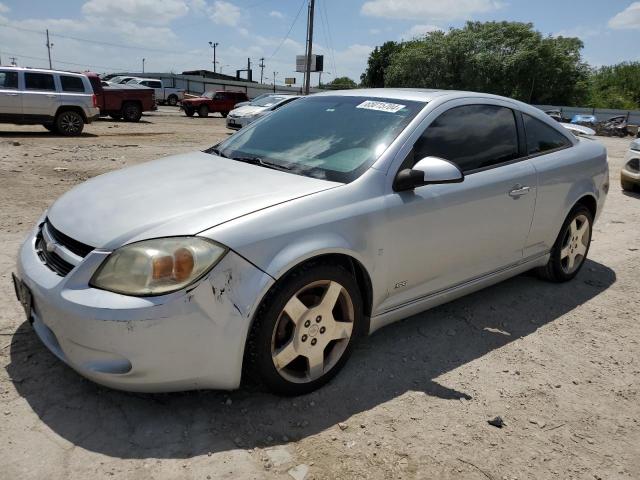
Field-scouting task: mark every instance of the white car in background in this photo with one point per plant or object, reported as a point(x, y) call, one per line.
point(168, 95)
point(246, 114)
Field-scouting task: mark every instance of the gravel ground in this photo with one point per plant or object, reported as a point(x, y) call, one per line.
point(559, 363)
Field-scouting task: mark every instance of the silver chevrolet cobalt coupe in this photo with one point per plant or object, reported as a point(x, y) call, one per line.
point(271, 252)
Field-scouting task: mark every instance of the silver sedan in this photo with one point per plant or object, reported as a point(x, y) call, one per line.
point(273, 251)
point(243, 115)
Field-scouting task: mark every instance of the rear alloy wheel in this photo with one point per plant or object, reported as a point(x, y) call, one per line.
point(69, 123)
point(571, 247)
point(306, 333)
point(203, 111)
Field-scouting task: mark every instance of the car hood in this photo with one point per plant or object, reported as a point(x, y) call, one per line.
point(178, 195)
point(247, 111)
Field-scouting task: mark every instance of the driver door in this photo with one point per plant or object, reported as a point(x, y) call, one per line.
point(442, 235)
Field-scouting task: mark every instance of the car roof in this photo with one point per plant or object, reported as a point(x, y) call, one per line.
point(41, 70)
point(145, 79)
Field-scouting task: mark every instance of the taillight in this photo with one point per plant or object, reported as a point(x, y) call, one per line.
point(95, 100)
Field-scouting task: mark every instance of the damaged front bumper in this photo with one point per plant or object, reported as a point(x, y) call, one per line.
point(191, 339)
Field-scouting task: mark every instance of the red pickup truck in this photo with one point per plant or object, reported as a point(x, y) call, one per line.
point(211, 102)
point(125, 102)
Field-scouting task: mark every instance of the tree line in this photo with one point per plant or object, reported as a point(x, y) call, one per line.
point(505, 58)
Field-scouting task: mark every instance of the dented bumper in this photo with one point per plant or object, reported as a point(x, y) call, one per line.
point(191, 339)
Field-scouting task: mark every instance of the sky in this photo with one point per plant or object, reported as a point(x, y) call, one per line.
point(174, 35)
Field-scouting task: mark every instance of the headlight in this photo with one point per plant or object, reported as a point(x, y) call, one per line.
point(156, 267)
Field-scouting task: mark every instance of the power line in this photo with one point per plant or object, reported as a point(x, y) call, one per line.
point(289, 32)
point(68, 63)
point(97, 42)
point(332, 50)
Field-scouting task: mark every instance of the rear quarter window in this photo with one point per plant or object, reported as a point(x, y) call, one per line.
point(72, 84)
point(541, 137)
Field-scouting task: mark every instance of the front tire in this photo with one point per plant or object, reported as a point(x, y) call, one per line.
point(69, 123)
point(571, 247)
point(305, 330)
point(627, 186)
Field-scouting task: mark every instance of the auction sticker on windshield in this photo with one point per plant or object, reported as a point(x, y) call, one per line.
point(381, 106)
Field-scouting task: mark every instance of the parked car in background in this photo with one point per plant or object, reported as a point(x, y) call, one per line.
point(168, 95)
point(630, 173)
point(557, 116)
point(273, 251)
point(242, 116)
point(259, 97)
point(588, 120)
point(221, 102)
point(126, 102)
point(119, 79)
point(62, 102)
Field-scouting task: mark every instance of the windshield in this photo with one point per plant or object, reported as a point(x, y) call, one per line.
point(268, 101)
point(330, 137)
point(208, 94)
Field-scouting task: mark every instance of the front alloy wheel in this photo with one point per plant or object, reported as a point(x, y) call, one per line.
point(304, 333)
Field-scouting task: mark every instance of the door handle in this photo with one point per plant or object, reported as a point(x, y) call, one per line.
point(519, 190)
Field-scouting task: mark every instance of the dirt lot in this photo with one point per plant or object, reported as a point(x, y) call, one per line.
point(560, 364)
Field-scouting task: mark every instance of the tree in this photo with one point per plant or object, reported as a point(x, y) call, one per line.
point(377, 65)
point(341, 83)
point(616, 86)
point(505, 58)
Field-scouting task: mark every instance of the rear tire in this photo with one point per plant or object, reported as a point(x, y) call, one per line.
point(570, 248)
point(189, 111)
point(203, 111)
point(172, 100)
point(294, 356)
point(131, 112)
point(69, 123)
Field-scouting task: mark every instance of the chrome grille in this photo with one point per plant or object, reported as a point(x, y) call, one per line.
point(59, 252)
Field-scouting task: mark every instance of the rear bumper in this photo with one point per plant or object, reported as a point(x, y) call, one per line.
point(191, 339)
point(92, 114)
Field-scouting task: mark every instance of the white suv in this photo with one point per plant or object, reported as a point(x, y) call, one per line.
point(60, 101)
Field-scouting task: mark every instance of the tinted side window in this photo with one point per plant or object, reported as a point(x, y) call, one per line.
point(541, 137)
point(471, 136)
point(39, 81)
point(8, 79)
point(71, 84)
point(155, 84)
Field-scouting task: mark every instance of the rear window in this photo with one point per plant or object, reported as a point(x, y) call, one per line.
point(8, 79)
point(71, 84)
point(39, 81)
point(541, 137)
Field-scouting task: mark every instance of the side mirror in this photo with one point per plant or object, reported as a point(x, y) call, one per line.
point(429, 170)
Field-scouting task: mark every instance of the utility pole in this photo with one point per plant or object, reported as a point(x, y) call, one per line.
point(249, 72)
point(143, 59)
point(307, 75)
point(214, 45)
point(49, 45)
point(261, 65)
point(274, 81)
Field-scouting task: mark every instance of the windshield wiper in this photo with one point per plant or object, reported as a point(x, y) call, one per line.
point(262, 163)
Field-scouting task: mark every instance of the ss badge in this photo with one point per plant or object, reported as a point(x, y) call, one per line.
point(401, 284)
